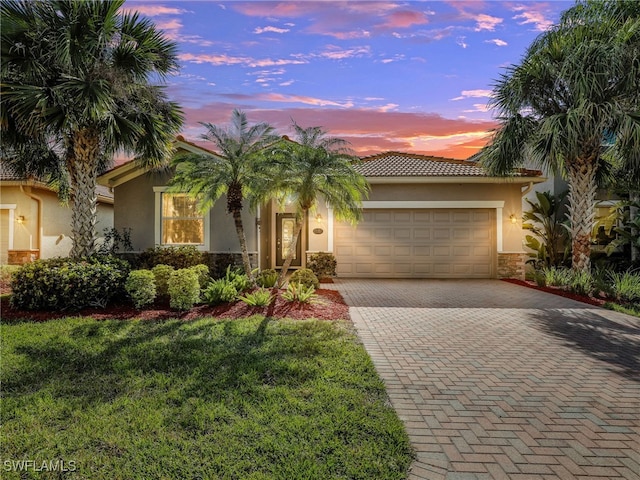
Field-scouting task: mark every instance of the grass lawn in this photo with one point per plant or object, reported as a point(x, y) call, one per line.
point(252, 398)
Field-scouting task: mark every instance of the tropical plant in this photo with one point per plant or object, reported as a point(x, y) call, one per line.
point(76, 88)
point(624, 221)
point(576, 89)
point(220, 291)
point(625, 286)
point(258, 298)
point(238, 279)
point(241, 171)
point(298, 292)
point(549, 237)
point(267, 278)
point(317, 166)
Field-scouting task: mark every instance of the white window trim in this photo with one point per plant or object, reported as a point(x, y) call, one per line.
point(12, 218)
point(157, 221)
point(498, 205)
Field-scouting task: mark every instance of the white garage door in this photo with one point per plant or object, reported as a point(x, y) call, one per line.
point(423, 243)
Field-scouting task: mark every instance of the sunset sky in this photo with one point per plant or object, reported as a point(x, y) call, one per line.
point(406, 76)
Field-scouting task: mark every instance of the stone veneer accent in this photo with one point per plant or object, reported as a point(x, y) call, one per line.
point(511, 265)
point(20, 257)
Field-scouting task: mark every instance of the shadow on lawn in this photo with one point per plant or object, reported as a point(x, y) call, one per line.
point(103, 360)
point(607, 340)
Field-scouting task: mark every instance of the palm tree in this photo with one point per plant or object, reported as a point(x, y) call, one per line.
point(76, 88)
point(577, 87)
point(242, 171)
point(317, 165)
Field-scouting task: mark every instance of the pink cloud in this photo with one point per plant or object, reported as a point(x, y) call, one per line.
point(533, 14)
point(486, 22)
point(369, 131)
point(153, 10)
point(404, 19)
point(223, 59)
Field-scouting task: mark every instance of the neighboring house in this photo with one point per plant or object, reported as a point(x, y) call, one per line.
point(33, 223)
point(426, 217)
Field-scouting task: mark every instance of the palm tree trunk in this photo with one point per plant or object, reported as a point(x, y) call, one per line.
point(291, 250)
point(246, 262)
point(582, 197)
point(82, 166)
point(634, 197)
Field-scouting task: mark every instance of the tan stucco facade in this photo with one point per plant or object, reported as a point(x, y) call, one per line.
point(136, 208)
point(35, 224)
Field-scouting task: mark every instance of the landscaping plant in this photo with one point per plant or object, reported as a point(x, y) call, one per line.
point(258, 298)
point(298, 292)
point(305, 277)
point(161, 274)
point(220, 291)
point(141, 287)
point(63, 284)
point(184, 289)
point(322, 264)
point(267, 278)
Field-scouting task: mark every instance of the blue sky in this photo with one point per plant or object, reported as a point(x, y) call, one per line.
point(385, 75)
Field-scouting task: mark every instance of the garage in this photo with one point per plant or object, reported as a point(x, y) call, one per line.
point(418, 243)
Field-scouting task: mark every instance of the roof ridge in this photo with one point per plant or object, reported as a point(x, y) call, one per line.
point(417, 156)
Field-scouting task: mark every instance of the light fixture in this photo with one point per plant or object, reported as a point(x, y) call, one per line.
point(513, 219)
point(318, 218)
point(20, 219)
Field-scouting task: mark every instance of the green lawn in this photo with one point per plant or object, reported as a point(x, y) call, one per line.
point(232, 399)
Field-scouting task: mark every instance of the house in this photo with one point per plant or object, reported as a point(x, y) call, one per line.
point(426, 217)
point(33, 222)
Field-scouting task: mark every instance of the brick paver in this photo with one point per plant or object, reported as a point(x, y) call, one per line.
point(498, 381)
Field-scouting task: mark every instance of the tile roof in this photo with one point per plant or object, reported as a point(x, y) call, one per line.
point(398, 164)
point(8, 176)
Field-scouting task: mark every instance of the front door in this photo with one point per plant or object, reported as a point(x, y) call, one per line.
point(285, 228)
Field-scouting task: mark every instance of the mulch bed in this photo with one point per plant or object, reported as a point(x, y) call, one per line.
point(596, 301)
point(329, 305)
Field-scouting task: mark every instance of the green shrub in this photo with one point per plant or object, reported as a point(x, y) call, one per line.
point(258, 298)
point(297, 292)
point(184, 290)
point(141, 287)
point(322, 264)
point(63, 284)
point(239, 279)
point(220, 291)
point(161, 274)
point(267, 278)
point(184, 256)
point(202, 271)
point(305, 277)
point(625, 286)
point(556, 276)
point(580, 282)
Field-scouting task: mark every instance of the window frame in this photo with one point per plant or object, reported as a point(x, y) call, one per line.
point(158, 222)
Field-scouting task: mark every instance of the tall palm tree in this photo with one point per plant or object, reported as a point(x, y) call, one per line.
point(317, 166)
point(242, 171)
point(577, 87)
point(76, 88)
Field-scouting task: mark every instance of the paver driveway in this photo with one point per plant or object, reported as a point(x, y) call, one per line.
point(495, 380)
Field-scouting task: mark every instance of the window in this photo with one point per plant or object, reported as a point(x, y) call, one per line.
point(178, 220)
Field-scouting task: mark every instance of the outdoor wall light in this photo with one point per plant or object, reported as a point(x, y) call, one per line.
point(318, 218)
point(513, 219)
point(20, 219)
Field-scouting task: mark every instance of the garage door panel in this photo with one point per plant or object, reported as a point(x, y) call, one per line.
point(425, 243)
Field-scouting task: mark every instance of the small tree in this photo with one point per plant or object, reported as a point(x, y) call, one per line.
point(543, 219)
point(241, 171)
point(319, 166)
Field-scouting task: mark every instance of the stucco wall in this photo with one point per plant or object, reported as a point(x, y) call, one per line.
point(55, 229)
point(135, 209)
